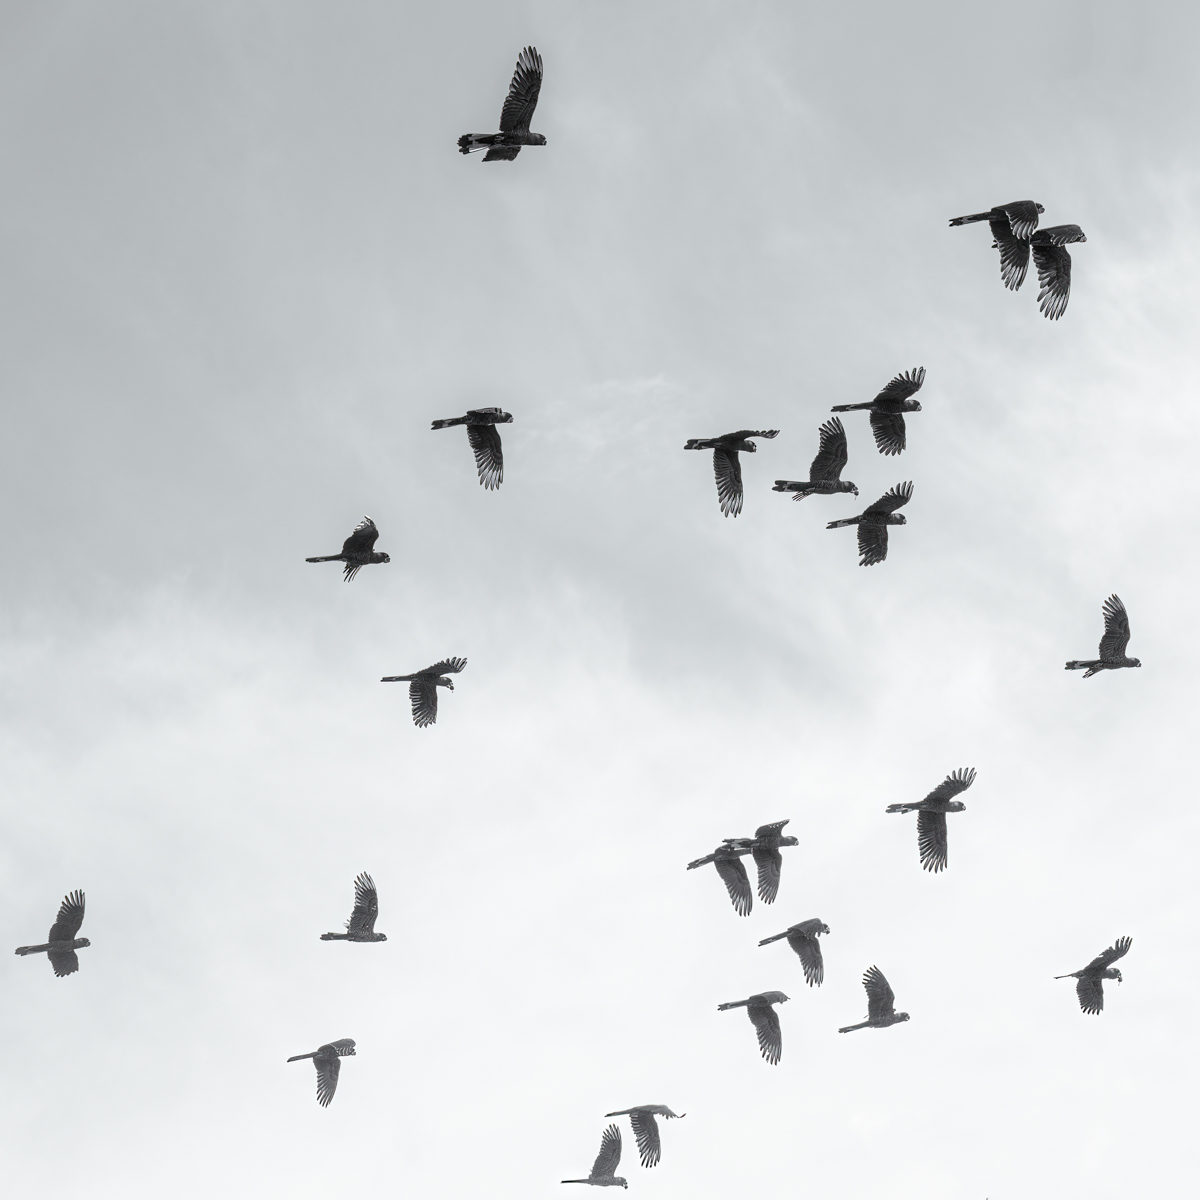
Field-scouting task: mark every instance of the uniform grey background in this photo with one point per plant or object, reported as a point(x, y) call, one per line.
point(244, 267)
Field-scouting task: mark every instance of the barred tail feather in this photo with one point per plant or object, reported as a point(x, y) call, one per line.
point(1083, 664)
point(470, 142)
point(731, 1004)
point(971, 218)
point(448, 422)
point(850, 407)
point(903, 808)
point(843, 523)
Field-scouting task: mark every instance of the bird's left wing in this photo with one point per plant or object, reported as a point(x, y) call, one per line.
point(329, 1067)
point(808, 950)
point(889, 431)
point(906, 384)
point(833, 454)
point(609, 1158)
point(955, 782)
point(1118, 949)
point(362, 540)
point(881, 1000)
point(522, 97)
point(501, 153)
point(645, 1130)
point(1116, 629)
point(766, 831)
point(1014, 254)
point(728, 470)
point(489, 454)
point(1090, 991)
point(70, 917)
point(766, 1025)
point(448, 666)
point(892, 499)
point(872, 544)
point(737, 883)
point(769, 862)
point(366, 905)
point(1054, 279)
point(932, 840)
point(423, 694)
point(64, 962)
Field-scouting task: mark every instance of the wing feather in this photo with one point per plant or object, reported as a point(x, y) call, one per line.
point(872, 544)
point(955, 782)
point(1106, 959)
point(808, 950)
point(932, 840)
point(766, 1025)
point(423, 694)
point(833, 455)
point(522, 97)
point(881, 1000)
point(609, 1158)
point(366, 906)
point(906, 384)
point(489, 454)
point(892, 499)
point(889, 432)
point(362, 540)
point(501, 153)
point(1090, 991)
point(737, 883)
point(70, 917)
point(329, 1067)
point(1054, 279)
point(769, 862)
point(728, 469)
point(64, 962)
point(1014, 254)
point(645, 1130)
point(1116, 629)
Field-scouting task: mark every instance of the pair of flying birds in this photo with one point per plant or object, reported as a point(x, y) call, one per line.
point(645, 1130)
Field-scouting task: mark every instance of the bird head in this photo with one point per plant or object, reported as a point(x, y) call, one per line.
point(1039, 207)
point(1113, 973)
point(854, 489)
point(902, 1016)
point(616, 1178)
point(443, 681)
point(539, 139)
point(824, 927)
point(749, 447)
point(774, 997)
point(80, 943)
point(956, 806)
point(789, 841)
point(913, 405)
point(506, 418)
point(898, 519)
point(381, 937)
point(384, 558)
point(1135, 662)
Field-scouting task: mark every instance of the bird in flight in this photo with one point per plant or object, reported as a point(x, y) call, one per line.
point(881, 1004)
point(358, 550)
point(645, 1129)
point(888, 408)
point(764, 847)
point(765, 1020)
point(62, 943)
point(825, 474)
point(728, 861)
point(515, 116)
point(931, 818)
point(1012, 226)
point(1089, 982)
point(1112, 644)
point(485, 441)
point(423, 686)
point(361, 926)
point(803, 940)
point(873, 521)
point(726, 464)
point(607, 1161)
point(1053, 262)
point(327, 1060)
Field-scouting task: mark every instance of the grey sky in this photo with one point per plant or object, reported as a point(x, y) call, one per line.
point(244, 267)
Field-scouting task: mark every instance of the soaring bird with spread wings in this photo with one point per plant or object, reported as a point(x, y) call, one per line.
point(765, 1020)
point(803, 940)
point(931, 818)
point(515, 116)
point(825, 474)
point(888, 408)
point(607, 1161)
point(1012, 226)
point(485, 441)
point(881, 1004)
point(727, 465)
point(764, 848)
point(423, 686)
point(873, 521)
point(361, 926)
point(358, 550)
point(327, 1060)
point(1112, 645)
point(645, 1129)
point(62, 943)
point(1089, 980)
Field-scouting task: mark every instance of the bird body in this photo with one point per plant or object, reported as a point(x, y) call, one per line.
point(603, 1172)
point(931, 821)
point(361, 926)
point(873, 521)
point(888, 408)
point(765, 1021)
point(327, 1060)
point(358, 550)
point(825, 473)
point(1089, 985)
point(423, 686)
point(645, 1129)
point(515, 116)
point(727, 466)
point(62, 943)
point(764, 846)
point(881, 1004)
point(484, 438)
point(802, 938)
point(1112, 645)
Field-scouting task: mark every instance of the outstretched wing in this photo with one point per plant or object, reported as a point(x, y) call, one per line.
point(833, 454)
point(342, 1047)
point(889, 432)
point(955, 782)
point(448, 666)
point(766, 1025)
point(1014, 254)
point(329, 1066)
point(1116, 629)
point(769, 862)
point(489, 455)
point(423, 694)
point(872, 544)
point(737, 883)
point(772, 830)
point(881, 1000)
point(1090, 991)
point(906, 384)
point(366, 906)
point(808, 950)
point(64, 962)
point(501, 153)
point(742, 434)
point(728, 469)
point(932, 841)
point(645, 1129)
point(70, 917)
point(609, 1158)
point(1054, 279)
point(1022, 217)
point(1117, 950)
point(522, 94)
point(892, 499)
point(362, 540)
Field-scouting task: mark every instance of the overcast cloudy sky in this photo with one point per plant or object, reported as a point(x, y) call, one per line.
point(244, 268)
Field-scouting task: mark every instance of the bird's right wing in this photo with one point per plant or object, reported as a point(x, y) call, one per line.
point(64, 962)
point(1054, 279)
point(609, 1158)
point(501, 153)
point(70, 917)
point(872, 544)
point(1014, 254)
point(1116, 629)
point(423, 694)
point(906, 384)
point(769, 862)
point(833, 454)
point(932, 840)
point(645, 1130)
point(892, 499)
point(1118, 949)
point(522, 94)
point(728, 470)
point(362, 540)
point(889, 432)
point(955, 782)
point(1091, 994)
point(881, 1000)
point(489, 454)
point(766, 1025)
point(1022, 217)
point(366, 905)
point(733, 874)
point(329, 1067)
point(766, 831)
point(808, 950)
point(447, 666)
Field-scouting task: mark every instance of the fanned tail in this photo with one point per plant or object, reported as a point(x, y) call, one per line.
point(470, 142)
point(971, 218)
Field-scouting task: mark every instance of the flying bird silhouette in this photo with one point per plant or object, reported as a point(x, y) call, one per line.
point(1012, 226)
point(726, 464)
point(357, 550)
point(803, 940)
point(931, 819)
point(607, 1161)
point(485, 441)
point(423, 686)
point(327, 1060)
point(1089, 985)
point(888, 408)
point(825, 474)
point(645, 1129)
point(1112, 644)
point(873, 521)
point(881, 1004)
point(764, 847)
point(62, 943)
point(765, 1021)
point(728, 861)
point(515, 116)
point(1053, 263)
point(361, 926)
